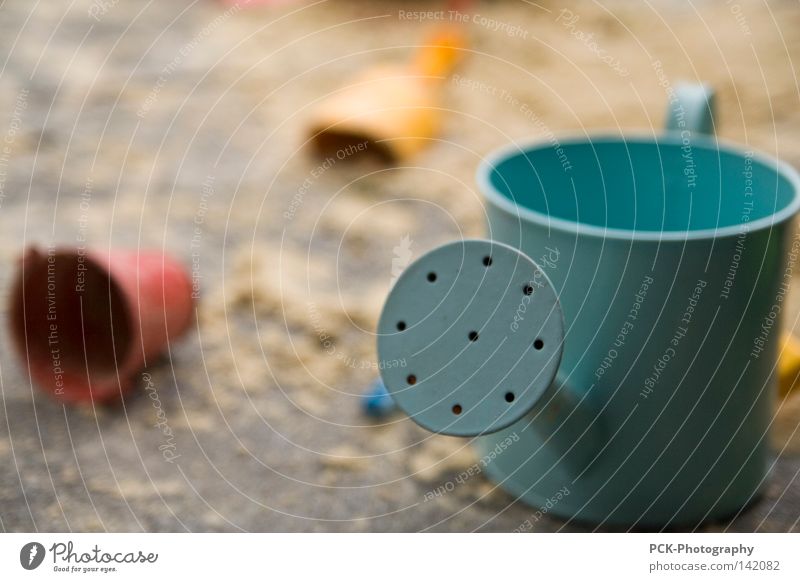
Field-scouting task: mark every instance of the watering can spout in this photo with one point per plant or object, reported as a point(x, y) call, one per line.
point(480, 329)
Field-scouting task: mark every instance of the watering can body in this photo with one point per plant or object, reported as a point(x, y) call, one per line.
point(670, 257)
point(673, 368)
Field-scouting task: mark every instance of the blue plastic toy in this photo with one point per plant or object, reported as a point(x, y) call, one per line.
point(377, 402)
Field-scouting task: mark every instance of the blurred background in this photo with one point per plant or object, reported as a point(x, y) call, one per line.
point(184, 126)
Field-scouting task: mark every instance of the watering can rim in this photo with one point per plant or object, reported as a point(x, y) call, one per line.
point(490, 162)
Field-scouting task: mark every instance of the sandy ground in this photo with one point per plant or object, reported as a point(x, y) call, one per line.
point(181, 125)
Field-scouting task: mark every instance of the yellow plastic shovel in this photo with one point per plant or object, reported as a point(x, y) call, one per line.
point(788, 364)
point(391, 111)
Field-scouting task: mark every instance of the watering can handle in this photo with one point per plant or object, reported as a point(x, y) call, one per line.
point(691, 108)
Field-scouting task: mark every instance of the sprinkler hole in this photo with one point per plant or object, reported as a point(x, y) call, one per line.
point(487, 261)
point(411, 379)
point(528, 290)
point(538, 344)
point(401, 325)
point(473, 336)
point(457, 409)
point(509, 397)
point(432, 277)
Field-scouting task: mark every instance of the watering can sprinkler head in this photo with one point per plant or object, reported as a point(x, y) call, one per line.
point(479, 326)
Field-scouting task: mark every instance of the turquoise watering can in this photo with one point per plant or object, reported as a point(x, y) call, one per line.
point(611, 347)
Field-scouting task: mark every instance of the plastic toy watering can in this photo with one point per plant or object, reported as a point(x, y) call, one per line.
point(616, 336)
